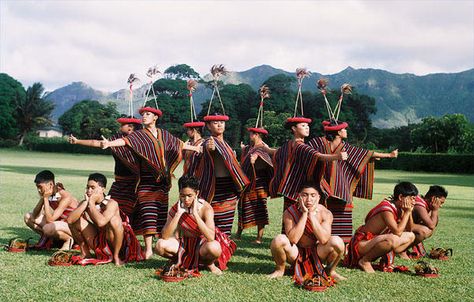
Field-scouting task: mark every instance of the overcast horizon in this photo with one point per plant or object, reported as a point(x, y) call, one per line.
point(102, 42)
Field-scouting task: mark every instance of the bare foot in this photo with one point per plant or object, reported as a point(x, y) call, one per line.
point(276, 274)
point(258, 241)
point(67, 245)
point(366, 266)
point(404, 255)
point(214, 269)
point(148, 254)
point(338, 277)
point(118, 261)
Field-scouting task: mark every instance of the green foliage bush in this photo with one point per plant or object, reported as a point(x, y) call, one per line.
point(430, 162)
point(60, 145)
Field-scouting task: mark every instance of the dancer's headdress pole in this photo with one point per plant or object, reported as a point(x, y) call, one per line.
point(264, 94)
point(301, 73)
point(151, 74)
point(217, 71)
point(132, 79)
point(192, 85)
point(333, 113)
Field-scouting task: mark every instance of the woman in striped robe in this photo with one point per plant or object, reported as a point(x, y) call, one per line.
point(159, 153)
point(126, 169)
point(387, 230)
point(257, 165)
point(352, 177)
point(192, 159)
point(220, 175)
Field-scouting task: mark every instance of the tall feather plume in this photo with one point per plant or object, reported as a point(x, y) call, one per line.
point(264, 92)
point(192, 85)
point(346, 88)
point(152, 71)
point(218, 70)
point(302, 73)
point(132, 79)
point(322, 84)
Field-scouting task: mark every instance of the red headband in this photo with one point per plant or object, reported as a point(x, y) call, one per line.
point(194, 125)
point(258, 130)
point(298, 120)
point(328, 128)
point(152, 110)
point(211, 118)
point(129, 120)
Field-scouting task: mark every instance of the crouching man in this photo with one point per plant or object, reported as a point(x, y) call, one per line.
point(386, 232)
point(97, 224)
point(307, 242)
point(190, 236)
point(48, 218)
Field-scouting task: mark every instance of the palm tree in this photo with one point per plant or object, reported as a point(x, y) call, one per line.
point(32, 110)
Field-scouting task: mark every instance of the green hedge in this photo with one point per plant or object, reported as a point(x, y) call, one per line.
point(60, 145)
point(429, 162)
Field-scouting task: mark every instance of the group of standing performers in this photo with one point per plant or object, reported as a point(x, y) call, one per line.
point(317, 180)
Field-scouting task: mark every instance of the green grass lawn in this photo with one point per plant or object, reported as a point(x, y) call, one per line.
point(26, 276)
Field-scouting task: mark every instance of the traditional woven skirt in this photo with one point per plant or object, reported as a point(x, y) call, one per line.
point(151, 209)
point(224, 204)
point(253, 205)
point(123, 191)
point(342, 218)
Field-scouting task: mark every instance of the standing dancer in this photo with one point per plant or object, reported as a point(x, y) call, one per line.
point(352, 177)
point(193, 131)
point(295, 162)
point(126, 168)
point(257, 165)
point(221, 177)
point(159, 153)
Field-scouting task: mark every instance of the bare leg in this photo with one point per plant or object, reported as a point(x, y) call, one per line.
point(260, 230)
point(208, 253)
point(167, 248)
point(148, 246)
point(35, 224)
point(374, 248)
point(83, 233)
point(238, 235)
point(331, 254)
point(115, 236)
point(282, 252)
point(404, 241)
point(59, 230)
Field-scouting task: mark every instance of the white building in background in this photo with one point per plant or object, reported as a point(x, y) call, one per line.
point(50, 132)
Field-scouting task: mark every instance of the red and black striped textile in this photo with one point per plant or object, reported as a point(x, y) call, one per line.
point(293, 164)
point(253, 202)
point(126, 162)
point(224, 203)
point(206, 174)
point(308, 265)
point(123, 191)
point(188, 251)
point(295, 214)
point(353, 256)
point(192, 159)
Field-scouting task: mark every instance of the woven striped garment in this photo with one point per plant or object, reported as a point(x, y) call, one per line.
point(188, 251)
point(293, 164)
point(192, 159)
point(206, 173)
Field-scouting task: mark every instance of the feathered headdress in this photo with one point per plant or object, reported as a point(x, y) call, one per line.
point(333, 113)
point(264, 94)
point(132, 79)
point(151, 73)
point(216, 71)
point(301, 73)
point(192, 85)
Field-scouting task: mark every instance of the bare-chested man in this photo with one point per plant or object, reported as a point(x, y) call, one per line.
point(307, 240)
point(48, 218)
point(387, 229)
point(200, 241)
point(97, 225)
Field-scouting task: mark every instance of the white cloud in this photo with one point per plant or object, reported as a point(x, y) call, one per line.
point(102, 42)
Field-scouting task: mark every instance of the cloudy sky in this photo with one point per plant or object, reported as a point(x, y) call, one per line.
point(102, 42)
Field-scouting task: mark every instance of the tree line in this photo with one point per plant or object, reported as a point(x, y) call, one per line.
point(24, 111)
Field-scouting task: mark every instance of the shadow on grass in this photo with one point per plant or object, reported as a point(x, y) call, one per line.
point(246, 243)
point(254, 267)
point(430, 179)
point(60, 172)
point(16, 232)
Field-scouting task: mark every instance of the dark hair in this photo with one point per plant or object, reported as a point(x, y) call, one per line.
point(404, 188)
point(331, 135)
point(44, 176)
point(312, 184)
point(187, 181)
point(436, 191)
point(198, 129)
point(289, 125)
point(98, 178)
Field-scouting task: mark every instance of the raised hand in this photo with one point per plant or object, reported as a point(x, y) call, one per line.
point(104, 143)
point(343, 155)
point(253, 158)
point(211, 144)
point(72, 139)
point(180, 209)
point(302, 206)
point(242, 145)
point(394, 153)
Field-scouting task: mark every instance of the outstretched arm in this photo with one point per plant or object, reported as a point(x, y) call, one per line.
point(104, 143)
point(84, 142)
point(393, 154)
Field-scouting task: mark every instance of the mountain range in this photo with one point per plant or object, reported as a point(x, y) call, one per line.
point(400, 98)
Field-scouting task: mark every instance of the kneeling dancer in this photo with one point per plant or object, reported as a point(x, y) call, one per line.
point(98, 224)
point(190, 236)
point(307, 242)
point(387, 230)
